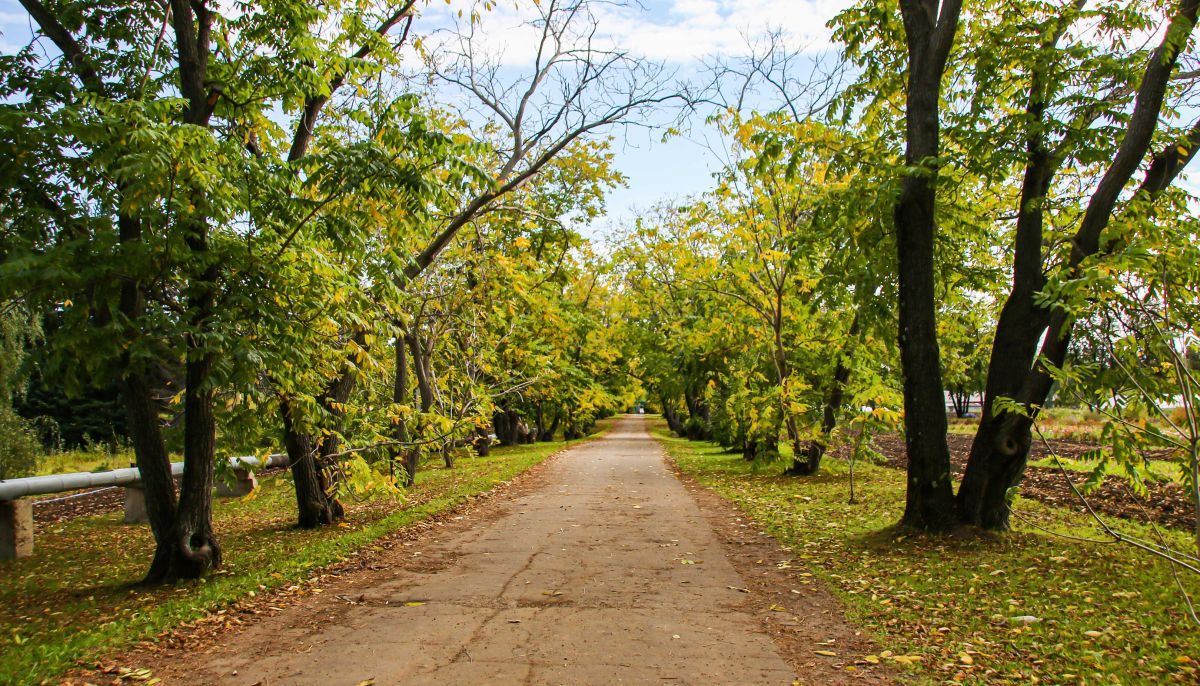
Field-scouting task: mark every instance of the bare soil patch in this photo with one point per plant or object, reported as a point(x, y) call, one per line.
point(1166, 503)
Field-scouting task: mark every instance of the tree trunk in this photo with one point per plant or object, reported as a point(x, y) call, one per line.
point(310, 454)
point(150, 452)
point(337, 395)
point(672, 418)
point(811, 462)
point(696, 426)
point(1000, 451)
point(547, 435)
point(312, 503)
point(154, 466)
point(399, 453)
point(421, 370)
point(930, 499)
point(197, 549)
point(506, 422)
point(482, 443)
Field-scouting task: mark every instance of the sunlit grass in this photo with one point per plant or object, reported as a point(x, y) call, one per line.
point(83, 461)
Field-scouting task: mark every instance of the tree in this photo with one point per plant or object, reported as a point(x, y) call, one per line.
point(1018, 369)
point(929, 29)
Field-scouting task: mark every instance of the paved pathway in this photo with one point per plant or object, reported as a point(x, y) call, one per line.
point(607, 573)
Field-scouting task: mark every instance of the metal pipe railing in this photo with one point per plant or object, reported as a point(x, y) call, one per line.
point(11, 489)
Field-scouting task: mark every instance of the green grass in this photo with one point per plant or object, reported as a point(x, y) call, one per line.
point(75, 599)
point(83, 461)
point(1160, 470)
point(1109, 614)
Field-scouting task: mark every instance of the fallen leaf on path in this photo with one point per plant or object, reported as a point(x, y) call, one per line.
point(826, 653)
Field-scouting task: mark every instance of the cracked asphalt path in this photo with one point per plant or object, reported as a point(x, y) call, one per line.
point(606, 573)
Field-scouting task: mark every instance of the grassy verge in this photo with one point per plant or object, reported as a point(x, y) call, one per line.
point(84, 461)
point(74, 600)
point(955, 610)
point(1159, 470)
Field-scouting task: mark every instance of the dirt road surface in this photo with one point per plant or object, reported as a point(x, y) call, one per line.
point(606, 571)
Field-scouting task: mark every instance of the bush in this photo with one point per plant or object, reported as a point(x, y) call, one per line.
point(19, 448)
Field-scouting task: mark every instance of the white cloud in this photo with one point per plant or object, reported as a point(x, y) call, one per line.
point(678, 31)
point(692, 29)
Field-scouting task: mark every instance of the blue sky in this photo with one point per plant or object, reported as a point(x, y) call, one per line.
point(678, 33)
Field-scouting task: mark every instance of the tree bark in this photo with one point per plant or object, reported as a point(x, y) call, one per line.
point(309, 453)
point(421, 370)
point(150, 452)
point(671, 416)
point(547, 434)
point(196, 547)
point(399, 453)
point(929, 503)
point(312, 503)
point(811, 461)
point(1000, 451)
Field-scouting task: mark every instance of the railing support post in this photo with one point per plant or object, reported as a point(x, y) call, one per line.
point(243, 485)
point(16, 529)
point(135, 505)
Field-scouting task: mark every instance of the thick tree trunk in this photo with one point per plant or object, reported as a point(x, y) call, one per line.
point(547, 434)
point(1000, 451)
point(337, 395)
point(197, 549)
point(754, 449)
point(930, 499)
point(507, 422)
point(694, 428)
point(992, 469)
point(313, 505)
point(482, 443)
point(672, 418)
point(309, 455)
point(150, 452)
point(154, 465)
